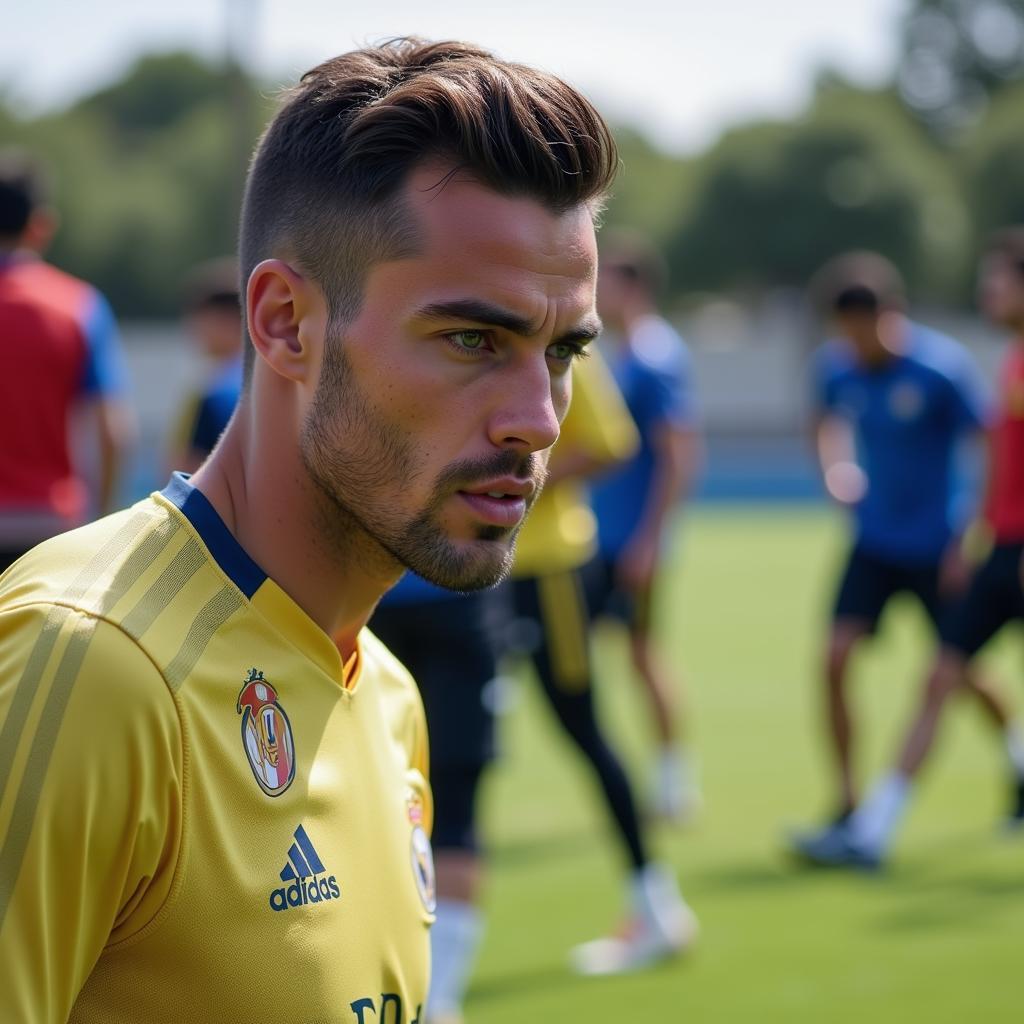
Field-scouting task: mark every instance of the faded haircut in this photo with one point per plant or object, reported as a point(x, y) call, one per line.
point(323, 185)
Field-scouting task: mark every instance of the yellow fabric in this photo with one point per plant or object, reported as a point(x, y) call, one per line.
point(141, 859)
point(561, 532)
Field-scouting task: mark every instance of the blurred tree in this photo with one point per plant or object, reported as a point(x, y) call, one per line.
point(775, 201)
point(993, 159)
point(955, 55)
point(147, 175)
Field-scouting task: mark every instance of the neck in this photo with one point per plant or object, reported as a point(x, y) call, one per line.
point(328, 565)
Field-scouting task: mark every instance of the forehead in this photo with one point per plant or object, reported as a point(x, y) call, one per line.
point(511, 248)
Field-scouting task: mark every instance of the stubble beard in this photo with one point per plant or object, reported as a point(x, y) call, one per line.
point(355, 460)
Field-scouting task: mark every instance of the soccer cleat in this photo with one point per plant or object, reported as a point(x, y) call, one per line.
point(832, 847)
point(661, 925)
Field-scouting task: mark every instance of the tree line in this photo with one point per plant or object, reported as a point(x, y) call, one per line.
point(148, 171)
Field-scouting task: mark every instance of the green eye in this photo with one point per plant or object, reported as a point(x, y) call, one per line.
point(469, 339)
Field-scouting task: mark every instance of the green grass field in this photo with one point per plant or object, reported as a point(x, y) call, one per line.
point(937, 938)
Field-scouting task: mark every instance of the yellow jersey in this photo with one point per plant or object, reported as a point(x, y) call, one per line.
point(204, 815)
point(561, 531)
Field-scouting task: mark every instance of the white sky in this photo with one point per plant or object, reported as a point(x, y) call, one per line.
point(680, 69)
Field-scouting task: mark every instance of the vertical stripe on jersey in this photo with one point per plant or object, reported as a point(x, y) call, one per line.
point(175, 575)
point(43, 743)
point(211, 617)
point(565, 628)
point(28, 686)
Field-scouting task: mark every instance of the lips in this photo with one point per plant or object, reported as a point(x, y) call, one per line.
point(499, 502)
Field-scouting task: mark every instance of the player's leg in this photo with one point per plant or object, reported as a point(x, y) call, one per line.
point(659, 922)
point(974, 682)
point(864, 589)
point(449, 647)
point(676, 792)
point(993, 598)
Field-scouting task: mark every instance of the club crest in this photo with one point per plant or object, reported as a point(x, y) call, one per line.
point(266, 735)
point(421, 854)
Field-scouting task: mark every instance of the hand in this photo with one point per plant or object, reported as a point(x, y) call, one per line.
point(846, 482)
point(634, 570)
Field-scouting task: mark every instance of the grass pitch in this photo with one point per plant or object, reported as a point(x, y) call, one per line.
point(938, 938)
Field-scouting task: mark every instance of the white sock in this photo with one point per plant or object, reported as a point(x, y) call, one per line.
point(1014, 739)
point(871, 826)
point(454, 939)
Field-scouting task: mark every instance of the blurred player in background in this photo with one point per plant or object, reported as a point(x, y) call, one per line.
point(995, 595)
point(213, 319)
point(636, 503)
point(63, 368)
point(450, 643)
point(552, 621)
point(216, 807)
point(895, 400)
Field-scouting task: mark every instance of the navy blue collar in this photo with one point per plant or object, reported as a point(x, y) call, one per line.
point(226, 551)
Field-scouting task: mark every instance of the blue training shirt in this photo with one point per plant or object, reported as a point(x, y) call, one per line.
point(908, 417)
point(652, 370)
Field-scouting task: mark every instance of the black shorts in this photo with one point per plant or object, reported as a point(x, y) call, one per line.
point(869, 582)
point(448, 645)
point(994, 598)
point(605, 598)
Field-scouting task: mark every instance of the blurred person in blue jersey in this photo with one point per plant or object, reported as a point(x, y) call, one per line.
point(63, 369)
point(213, 319)
point(994, 597)
point(895, 400)
point(636, 502)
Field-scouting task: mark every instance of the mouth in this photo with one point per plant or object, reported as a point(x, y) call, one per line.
point(499, 502)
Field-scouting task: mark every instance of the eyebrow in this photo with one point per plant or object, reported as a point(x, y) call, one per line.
point(490, 315)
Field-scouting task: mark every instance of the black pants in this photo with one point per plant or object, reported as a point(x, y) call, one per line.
point(554, 604)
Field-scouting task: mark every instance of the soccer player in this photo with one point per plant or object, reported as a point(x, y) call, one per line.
point(62, 367)
point(995, 595)
point(213, 317)
point(215, 806)
point(636, 502)
point(548, 596)
point(450, 643)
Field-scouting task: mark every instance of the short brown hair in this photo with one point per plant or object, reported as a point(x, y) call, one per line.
point(212, 285)
point(326, 172)
point(864, 282)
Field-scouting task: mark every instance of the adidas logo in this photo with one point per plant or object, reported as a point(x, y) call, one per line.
point(303, 869)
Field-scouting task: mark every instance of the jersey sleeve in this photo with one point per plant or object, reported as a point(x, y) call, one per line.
point(598, 421)
point(105, 374)
point(90, 802)
point(667, 394)
point(971, 402)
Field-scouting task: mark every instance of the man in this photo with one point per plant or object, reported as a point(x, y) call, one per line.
point(62, 368)
point(548, 597)
point(217, 808)
point(995, 595)
point(213, 317)
point(636, 503)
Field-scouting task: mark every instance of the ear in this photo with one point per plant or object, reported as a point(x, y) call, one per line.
point(284, 312)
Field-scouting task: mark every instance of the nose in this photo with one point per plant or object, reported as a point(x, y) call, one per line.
point(529, 406)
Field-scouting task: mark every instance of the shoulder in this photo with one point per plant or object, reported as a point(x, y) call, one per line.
point(655, 345)
point(934, 352)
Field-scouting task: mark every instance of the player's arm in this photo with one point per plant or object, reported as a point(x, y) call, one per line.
point(841, 474)
point(90, 803)
point(678, 450)
point(105, 389)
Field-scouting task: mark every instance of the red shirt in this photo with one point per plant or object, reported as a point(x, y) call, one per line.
point(1006, 494)
point(57, 344)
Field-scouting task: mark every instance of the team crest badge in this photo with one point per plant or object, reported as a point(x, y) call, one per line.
point(422, 855)
point(906, 402)
point(266, 735)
